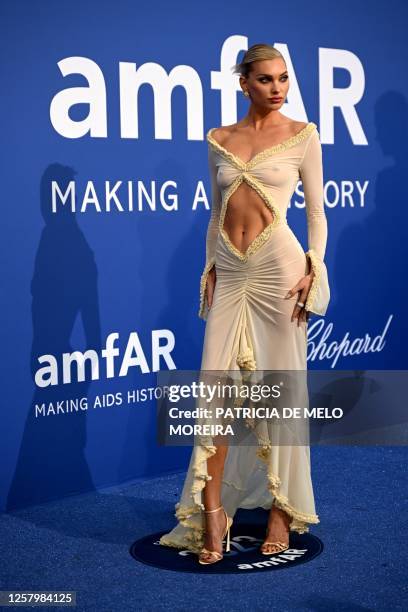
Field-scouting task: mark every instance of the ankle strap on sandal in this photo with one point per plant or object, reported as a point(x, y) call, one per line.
point(215, 510)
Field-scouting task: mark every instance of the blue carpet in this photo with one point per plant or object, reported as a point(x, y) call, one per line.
point(82, 544)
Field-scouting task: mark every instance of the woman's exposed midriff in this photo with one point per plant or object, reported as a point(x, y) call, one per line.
point(246, 216)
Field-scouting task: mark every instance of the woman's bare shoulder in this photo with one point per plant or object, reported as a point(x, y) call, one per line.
point(220, 134)
point(297, 126)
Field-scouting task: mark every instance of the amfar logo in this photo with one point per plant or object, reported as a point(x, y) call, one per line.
point(162, 344)
point(131, 78)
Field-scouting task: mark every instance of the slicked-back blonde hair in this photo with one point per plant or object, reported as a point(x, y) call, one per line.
point(256, 53)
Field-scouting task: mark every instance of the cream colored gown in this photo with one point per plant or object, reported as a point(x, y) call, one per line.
point(249, 325)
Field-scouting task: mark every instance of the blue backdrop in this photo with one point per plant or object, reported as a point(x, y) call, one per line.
point(105, 106)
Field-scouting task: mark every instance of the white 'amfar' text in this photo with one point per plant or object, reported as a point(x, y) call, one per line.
point(49, 374)
point(131, 78)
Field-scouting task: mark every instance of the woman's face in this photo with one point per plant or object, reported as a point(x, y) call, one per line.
point(267, 79)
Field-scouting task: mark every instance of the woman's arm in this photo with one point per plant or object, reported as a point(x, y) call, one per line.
point(311, 174)
point(212, 234)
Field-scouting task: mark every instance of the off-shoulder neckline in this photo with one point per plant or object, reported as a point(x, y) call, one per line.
point(288, 142)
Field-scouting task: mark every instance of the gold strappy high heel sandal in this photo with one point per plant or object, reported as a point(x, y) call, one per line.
point(281, 546)
point(217, 556)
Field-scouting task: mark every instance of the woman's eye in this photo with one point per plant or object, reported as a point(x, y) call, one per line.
point(263, 79)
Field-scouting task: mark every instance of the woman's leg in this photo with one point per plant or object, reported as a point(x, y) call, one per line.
point(277, 529)
point(215, 522)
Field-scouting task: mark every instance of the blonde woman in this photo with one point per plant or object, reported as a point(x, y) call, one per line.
point(258, 289)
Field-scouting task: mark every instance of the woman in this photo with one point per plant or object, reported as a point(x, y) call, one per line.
point(257, 291)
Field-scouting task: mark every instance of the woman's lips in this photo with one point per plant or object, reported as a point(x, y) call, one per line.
point(274, 99)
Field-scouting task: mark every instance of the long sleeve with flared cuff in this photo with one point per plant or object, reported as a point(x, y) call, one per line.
point(311, 174)
point(212, 234)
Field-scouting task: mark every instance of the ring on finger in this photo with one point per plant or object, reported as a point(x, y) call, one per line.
point(301, 304)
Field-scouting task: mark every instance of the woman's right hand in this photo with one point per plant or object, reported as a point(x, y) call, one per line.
point(211, 280)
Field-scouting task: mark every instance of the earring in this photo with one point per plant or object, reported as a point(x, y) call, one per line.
point(246, 93)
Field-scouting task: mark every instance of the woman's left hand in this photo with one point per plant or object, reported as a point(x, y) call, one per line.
point(303, 287)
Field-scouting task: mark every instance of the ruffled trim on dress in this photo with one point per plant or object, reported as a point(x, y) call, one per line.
point(194, 537)
point(203, 310)
point(319, 295)
point(299, 519)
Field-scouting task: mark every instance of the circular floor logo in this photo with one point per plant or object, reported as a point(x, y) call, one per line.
point(244, 556)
